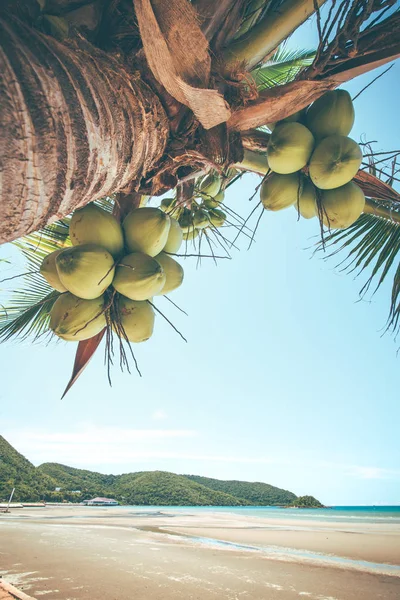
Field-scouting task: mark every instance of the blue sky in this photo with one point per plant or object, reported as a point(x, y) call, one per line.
point(285, 378)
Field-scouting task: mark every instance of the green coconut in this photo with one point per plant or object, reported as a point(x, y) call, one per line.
point(137, 319)
point(217, 217)
point(307, 204)
point(93, 225)
point(297, 117)
point(74, 319)
point(191, 234)
point(173, 273)
point(146, 230)
point(139, 276)
point(342, 206)
point(167, 204)
point(175, 237)
point(49, 271)
point(331, 114)
point(201, 219)
point(215, 201)
point(210, 185)
point(289, 148)
point(280, 191)
point(186, 220)
point(86, 270)
point(294, 118)
point(334, 162)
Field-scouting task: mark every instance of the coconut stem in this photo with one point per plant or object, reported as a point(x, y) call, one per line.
point(372, 208)
point(253, 161)
point(255, 140)
point(265, 37)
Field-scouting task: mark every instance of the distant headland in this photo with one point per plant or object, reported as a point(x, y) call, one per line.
point(53, 482)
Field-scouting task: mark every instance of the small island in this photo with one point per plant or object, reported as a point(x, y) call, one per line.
point(305, 502)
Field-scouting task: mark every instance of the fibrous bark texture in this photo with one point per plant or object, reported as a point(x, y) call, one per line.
point(74, 126)
point(178, 56)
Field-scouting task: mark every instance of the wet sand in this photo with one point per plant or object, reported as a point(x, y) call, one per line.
point(72, 553)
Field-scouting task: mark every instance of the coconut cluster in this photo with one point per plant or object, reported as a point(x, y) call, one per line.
point(111, 272)
point(203, 213)
point(313, 162)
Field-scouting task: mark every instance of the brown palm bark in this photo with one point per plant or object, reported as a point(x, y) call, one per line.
point(75, 125)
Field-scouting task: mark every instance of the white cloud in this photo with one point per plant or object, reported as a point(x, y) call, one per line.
point(373, 472)
point(115, 449)
point(97, 445)
point(159, 415)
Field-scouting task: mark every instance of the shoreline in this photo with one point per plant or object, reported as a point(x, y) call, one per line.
point(169, 555)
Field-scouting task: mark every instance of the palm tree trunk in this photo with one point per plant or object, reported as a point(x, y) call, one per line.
point(75, 125)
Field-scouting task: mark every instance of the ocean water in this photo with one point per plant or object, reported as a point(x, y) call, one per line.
point(342, 514)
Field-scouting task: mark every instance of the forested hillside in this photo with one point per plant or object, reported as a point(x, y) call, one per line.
point(256, 493)
point(16, 471)
point(142, 488)
point(160, 488)
point(68, 478)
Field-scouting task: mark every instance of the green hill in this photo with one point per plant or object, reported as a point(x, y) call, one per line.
point(146, 487)
point(306, 502)
point(16, 471)
point(68, 478)
point(161, 488)
point(255, 493)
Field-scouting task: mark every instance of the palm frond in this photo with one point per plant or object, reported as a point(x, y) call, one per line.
point(285, 54)
point(282, 68)
point(255, 11)
point(372, 243)
point(28, 313)
point(106, 203)
point(251, 16)
point(46, 240)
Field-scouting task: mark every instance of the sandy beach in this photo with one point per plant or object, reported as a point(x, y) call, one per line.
point(83, 553)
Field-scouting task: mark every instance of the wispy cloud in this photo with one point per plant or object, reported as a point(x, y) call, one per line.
point(97, 445)
point(159, 415)
point(115, 449)
point(373, 472)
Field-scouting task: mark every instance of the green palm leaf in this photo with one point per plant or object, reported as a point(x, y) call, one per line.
point(28, 312)
point(283, 67)
point(371, 243)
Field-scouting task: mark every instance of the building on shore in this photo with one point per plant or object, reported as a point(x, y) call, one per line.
point(101, 502)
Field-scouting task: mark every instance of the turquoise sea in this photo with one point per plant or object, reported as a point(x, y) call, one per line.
point(343, 514)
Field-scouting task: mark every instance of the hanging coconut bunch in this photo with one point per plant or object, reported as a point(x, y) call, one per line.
point(199, 213)
point(109, 275)
point(313, 161)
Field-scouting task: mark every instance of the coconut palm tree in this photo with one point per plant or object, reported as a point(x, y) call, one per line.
point(132, 98)
point(104, 97)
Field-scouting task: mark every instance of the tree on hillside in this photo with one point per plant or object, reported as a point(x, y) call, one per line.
point(133, 98)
